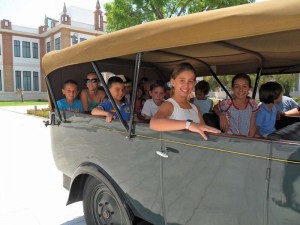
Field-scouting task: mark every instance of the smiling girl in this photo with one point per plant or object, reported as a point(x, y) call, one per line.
point(177, 113)
point(237, 115)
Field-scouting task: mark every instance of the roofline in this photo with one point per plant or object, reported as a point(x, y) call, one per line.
point(51, 31)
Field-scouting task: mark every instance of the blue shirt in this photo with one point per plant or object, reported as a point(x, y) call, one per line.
point(124, 109)
point(76, 107)
point(204, 105)
point(287, 104)
point(266, 119)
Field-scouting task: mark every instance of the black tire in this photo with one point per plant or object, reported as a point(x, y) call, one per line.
point(102, 205)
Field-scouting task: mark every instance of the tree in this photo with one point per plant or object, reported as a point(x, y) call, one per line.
point(288, 81)
point(20, 91)
point(126, 13)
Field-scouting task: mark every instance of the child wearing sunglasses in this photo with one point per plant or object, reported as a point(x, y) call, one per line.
point(93, 95)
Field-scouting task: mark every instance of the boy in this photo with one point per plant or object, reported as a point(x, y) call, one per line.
point(70, 103)
point(201, 100)
point(270, 94)
point(152, 105)
point(127, 89)
point(117, 90)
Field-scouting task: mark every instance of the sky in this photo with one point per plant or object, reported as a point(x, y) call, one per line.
point(31, 13)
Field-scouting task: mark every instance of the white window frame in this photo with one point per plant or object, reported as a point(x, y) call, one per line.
point(32, 73)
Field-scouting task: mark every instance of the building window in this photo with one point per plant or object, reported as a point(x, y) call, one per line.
point(35, 81)
point(35, 50)
point(18, 80)
point(57, 43)
point(26, 49)
point(74, 39)
point(0, 48)
point(48, 47)
point(27, 80)
point(0, 81)
point(82, 39)
point(17, 50)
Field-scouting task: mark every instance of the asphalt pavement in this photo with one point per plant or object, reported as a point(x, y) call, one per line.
point(31, 191)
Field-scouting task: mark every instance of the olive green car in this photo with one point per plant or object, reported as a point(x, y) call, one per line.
point(126, 173)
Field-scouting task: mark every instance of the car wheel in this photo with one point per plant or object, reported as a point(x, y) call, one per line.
point(102, 205)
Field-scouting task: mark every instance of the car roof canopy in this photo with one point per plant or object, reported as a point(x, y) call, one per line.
point(229, 40)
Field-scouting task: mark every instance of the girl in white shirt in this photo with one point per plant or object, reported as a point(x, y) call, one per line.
point(177, 113)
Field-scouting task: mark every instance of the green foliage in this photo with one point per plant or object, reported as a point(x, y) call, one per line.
point(214, 85)
point(288, 81)
point(20, 103)
point(126, 13)
point(297, 99)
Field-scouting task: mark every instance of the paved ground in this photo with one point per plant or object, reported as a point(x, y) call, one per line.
point(31, 191)
point(23, 109)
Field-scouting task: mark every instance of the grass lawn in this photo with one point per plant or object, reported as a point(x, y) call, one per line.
point(19, 103)
point(44, 112)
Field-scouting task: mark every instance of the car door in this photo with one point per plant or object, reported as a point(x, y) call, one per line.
point(219, 181)
point(284, 191)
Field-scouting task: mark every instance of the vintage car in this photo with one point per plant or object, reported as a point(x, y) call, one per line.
point(126, 173)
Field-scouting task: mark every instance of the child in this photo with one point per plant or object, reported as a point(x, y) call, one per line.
point(145, 84)
point(287, 104)
point(70, 103)
point(139, 101)
point(237, 115)
point(270, 94)
point(152, 105)
point(177, 113)
point(201, 100)
point(116, 87)
point(127, 89)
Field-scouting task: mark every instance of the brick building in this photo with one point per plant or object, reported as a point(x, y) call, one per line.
point(22, 48)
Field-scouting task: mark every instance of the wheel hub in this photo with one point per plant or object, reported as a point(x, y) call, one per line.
point(106, 214)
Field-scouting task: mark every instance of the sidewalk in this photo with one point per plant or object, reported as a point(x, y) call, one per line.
point(23, 109)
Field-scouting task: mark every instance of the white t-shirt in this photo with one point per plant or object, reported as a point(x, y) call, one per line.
point(184, 114)
point(149, 108)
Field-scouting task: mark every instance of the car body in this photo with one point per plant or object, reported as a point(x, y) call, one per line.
point(126, 173)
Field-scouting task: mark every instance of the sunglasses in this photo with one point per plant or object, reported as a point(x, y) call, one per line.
point(91, 80)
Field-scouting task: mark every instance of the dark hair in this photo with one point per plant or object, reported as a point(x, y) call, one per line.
point(140, 87)
point(203, 86)
point(114, 79)
point(243, 76)
point(144, 80)
point(127, 80)
point(70, 82)
point(91, 73)
point(157, 84)
point(270, 91)
point(181, 68)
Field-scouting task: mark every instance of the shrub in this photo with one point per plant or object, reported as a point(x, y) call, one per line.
point(297, 99)
point(39, 112)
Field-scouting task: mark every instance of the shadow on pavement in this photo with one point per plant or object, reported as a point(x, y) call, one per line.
point(77, 221)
